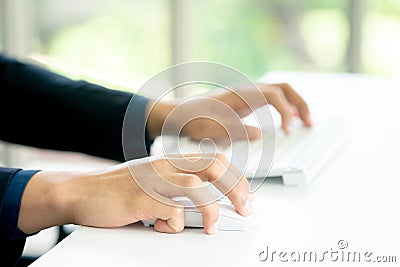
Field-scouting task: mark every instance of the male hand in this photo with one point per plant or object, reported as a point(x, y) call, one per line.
point(222, 124)
point(136, 190)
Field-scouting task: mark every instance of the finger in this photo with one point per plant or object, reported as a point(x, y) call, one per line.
point(215, 168)
point(169, 214)
point(251, 197)
point(238, 194)
point(216, 128)
point(295, 111)
point(295, 99)
point(239, 131)
point(210, 214)
point(230, 181)
point(278, 99)
point(193, 187)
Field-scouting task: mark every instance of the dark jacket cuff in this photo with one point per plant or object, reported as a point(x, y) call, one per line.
point(11, 204)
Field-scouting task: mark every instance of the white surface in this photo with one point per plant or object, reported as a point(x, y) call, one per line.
point(355, 198)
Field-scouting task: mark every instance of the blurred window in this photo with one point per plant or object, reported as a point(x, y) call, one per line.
point(260, 36)
point(122, 43)
point(381, 38)
point(115, 43)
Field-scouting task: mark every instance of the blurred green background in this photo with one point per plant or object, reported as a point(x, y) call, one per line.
point(122, 43)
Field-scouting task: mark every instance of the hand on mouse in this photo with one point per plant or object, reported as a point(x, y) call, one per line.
point(129, 192)
point(208, 116)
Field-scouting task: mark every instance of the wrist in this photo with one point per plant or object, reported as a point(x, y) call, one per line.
point(47, 201)
point(157, 113)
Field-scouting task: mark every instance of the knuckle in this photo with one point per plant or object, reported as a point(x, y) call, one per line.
point(302, 105)
point(285, 85)
point(177, 212)
point(190, 180)
point(161, 162)
point(277, 93)
point(177, 219)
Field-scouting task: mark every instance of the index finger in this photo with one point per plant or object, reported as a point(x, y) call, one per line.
point(191, 186)
point(230, 182)
point(216, 169)
point(295, 99)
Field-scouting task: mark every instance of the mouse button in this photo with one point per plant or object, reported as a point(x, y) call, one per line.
point(184, 201)
point(193, 219)
point(228, 206)
point(230, 212)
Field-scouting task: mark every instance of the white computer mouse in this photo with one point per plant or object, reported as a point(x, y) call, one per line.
point(229, 219)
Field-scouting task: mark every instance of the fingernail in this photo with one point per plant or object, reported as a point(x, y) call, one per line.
point(213, 229)
point(309, 121)
point(248, 207)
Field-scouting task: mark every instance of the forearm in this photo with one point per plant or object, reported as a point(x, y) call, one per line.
point(47, 201)
point(100, 198)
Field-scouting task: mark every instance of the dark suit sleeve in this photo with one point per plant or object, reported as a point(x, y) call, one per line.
point(43, 109)
point(12, 240)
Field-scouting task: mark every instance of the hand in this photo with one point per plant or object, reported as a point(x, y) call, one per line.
point(132, 191)
point(282, 96)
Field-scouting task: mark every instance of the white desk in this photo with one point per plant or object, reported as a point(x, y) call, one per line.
point(355, 198)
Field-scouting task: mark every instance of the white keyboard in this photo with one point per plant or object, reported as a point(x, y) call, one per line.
point(300, 155)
